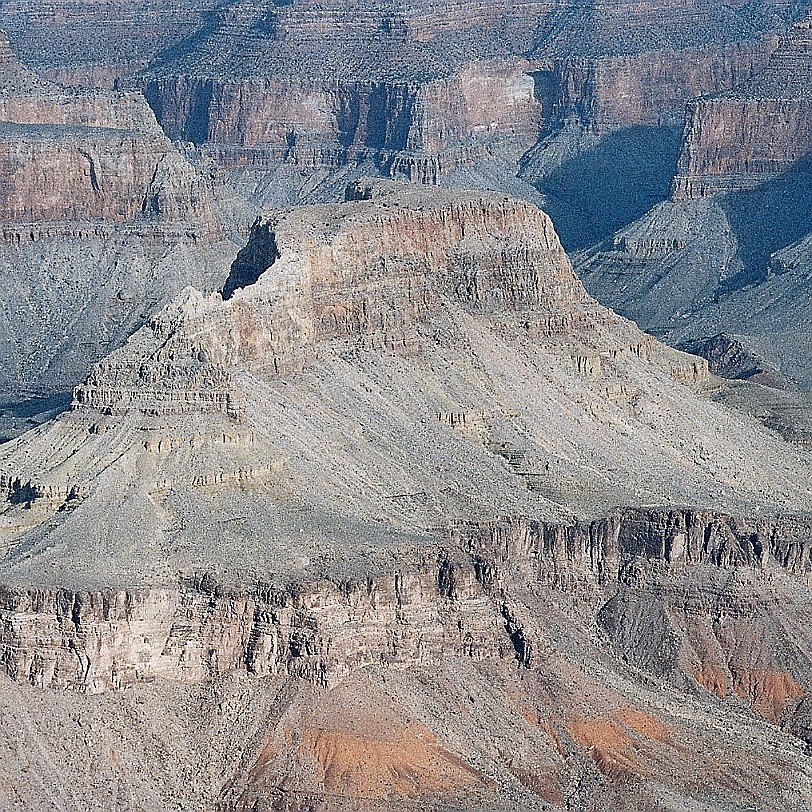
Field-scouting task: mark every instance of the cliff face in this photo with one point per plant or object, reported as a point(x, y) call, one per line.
point(501, 617)
point(753, 134)
point(427, 130)
point(449, 95)
point(735, 144)
point(454, 604)
point(89, 155)
point(256, 122)
point(351, 293)
point(607, 93)
point(53, 174)
point(90, 185)
point(363, 503)
point(439, 96)
point(726, 252)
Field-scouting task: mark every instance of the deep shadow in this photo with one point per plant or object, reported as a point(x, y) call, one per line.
point(34, 406)
point(252, 261)
point(17, 415)
point(612, 184)
point(771, 216)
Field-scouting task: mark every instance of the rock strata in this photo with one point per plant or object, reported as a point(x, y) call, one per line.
point(372, 488)
point(326, 631)
point(755, 132)
point(90, 185)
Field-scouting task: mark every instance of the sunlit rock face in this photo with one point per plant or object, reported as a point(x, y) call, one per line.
point(348, 531)
point(101, 218)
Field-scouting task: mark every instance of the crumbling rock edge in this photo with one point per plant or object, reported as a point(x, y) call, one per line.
point(460, 599)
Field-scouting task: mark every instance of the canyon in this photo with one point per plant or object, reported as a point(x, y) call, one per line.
point(728, 251)
point(579, 110)
point(370, 547)
point(101, 219)
point(325, 482)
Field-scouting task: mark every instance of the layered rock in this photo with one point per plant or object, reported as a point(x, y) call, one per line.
point(614, 116)
point(729, 358)
point(756, 132)
point(443, 606)
point(434, 95)
point(727, 251)
point(418, 130)
point(332, 290)
point(605, 93)
point(377, 478)
point(453, 94)
point(87, 156)
point(89, 178)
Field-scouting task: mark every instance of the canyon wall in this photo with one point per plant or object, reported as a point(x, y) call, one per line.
point(754, 133)
point(455, 604)
point(607, 93)
point(92, 186)
point(732, 144)
point(89, 155)
point(424, 128)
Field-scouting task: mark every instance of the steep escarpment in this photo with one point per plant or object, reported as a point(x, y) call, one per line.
point(604, 93)
point(387, 284)
point(287, 103)
point(613, 124)
point(754, 133)
point(356, 685)
point(450, 603)
point(437, 95)
point(104, 175)
point(727, 251)
point(89, 156)
point(352, 294)
point(92, 186)
point(371, 492)
point(420, 130)
point(763, 138)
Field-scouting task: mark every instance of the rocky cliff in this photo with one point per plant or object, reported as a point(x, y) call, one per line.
point(346, 525)
point(257, 122)
point(727, 252)
point(436, 95)
point(450, 603)
point(363, 502)
point(604, 93)
point(88, 177)
point(754, 133)
point(419, 91)
point(88, 156)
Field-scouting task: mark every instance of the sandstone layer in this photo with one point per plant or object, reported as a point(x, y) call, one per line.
point(454, 94)
point(101, 219)
point(729, 250)
point(755, 132)
point(363, 543)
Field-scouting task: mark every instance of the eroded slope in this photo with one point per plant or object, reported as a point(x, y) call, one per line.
point(317, 532)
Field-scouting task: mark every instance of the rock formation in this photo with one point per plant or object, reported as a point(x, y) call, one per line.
point(409, 90)
point(94, 155)
point(755, 132)
point(365, 503)
point(729, 251)
point(383, 510)
point(92, 186)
